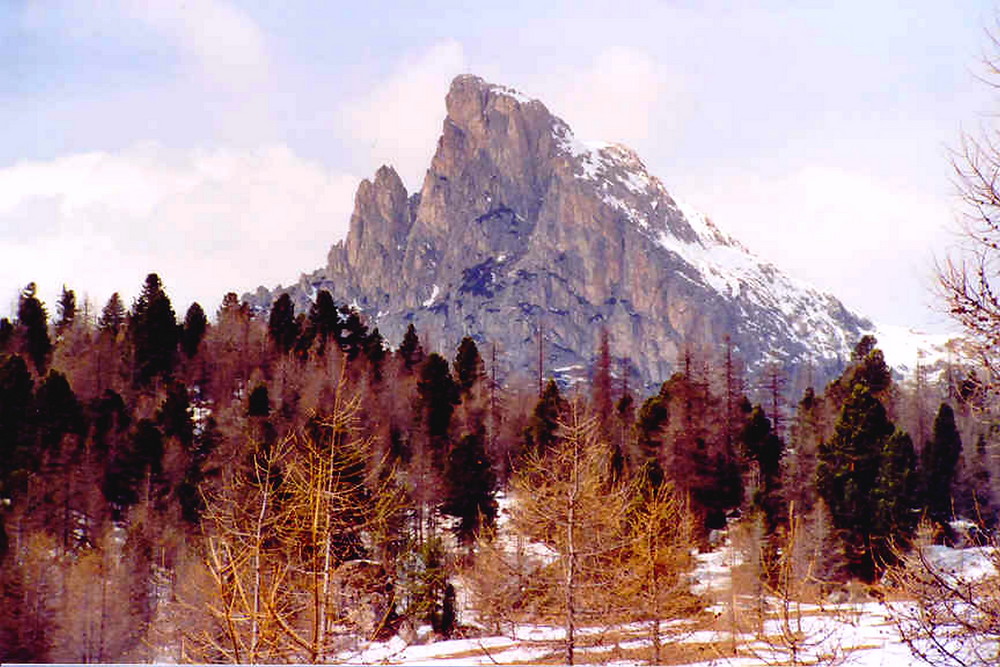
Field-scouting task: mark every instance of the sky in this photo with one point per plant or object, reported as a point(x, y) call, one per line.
point(219, 143)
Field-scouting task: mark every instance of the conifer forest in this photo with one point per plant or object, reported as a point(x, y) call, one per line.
point(248, 488)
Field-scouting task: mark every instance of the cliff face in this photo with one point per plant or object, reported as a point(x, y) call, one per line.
point(518, 226)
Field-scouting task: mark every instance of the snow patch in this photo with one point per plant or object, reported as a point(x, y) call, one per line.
point(433, 297)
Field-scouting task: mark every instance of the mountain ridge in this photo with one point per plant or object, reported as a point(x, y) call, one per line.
point(519, 227)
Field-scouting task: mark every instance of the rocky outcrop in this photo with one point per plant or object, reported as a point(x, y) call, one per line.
point(518, 227)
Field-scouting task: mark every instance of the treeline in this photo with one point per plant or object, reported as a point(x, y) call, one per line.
point(266, 489)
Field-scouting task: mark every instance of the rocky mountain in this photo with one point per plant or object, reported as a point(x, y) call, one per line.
point(519, 227)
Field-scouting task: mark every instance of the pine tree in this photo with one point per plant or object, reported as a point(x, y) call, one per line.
point(112, 316)
point(895, 495)
point(544, 424)
point(324, 320)
point(66, 308)
point(847, 473)
point(468, 366)
point(940, 460)
point(281, 326)
point(32, 320)
point(437, 395)
point(195, 324)
point(154, 333)
point(16, 430)
point(471, 486)
point(375, 351)
point(765, 448)
point(650, 424)
point(410, 351)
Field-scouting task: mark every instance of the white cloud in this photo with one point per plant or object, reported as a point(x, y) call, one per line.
point(227, 46)
point(207, 221)
point(619, 97)
point(870, 241)
point(399, 121)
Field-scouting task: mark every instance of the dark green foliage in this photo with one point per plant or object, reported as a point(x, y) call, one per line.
point(282, 328)
point(856, 468)
point(867, 368)
point(375, 351)
point(651, 421)
point(896, 501)
point(410, 351)
point(544, 424)
point(139, 456)
point(154, 333)
point(438, 396)
point(57, 413)
point(940, 460)
point(16, 433)
point(66, 309)
point(174, 415)
point(195, 324)
point(323, 323)
point(468, 365)
point(353, 332)
point(259, 404)
point(765, 448)
point(112, 316)
point(471, 486)
point(33, 322)
point(111, 421)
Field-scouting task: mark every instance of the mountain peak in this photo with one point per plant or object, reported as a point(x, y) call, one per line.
point(521, 230)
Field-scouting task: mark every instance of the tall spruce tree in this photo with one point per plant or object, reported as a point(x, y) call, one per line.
point(940, 460)
point(471, 486)
point(33, 322)
point(544, 424)
point(195, 324)
point(410, 351)
point(468, 365)
point(66, 309)
point(281, 325)
point(112, 316)
point(154, 332)
point(847, 477)
point(16, 429)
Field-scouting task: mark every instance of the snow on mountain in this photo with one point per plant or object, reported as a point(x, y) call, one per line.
point(521, 231)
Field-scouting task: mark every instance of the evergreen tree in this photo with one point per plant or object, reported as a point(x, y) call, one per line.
point(153, 331)
point(324, 320)
point(281, 325)
point(847, 473)
point(16, 429)
point(353, 332)
point(895, 492)
point(66, 308)
point(259, 404)
point(58, 413)
point(471, 486)
point(544, 424)
point(468, 365)
point(410, 351)
point(601, 390)
point(766, 449)
point(112, 316)
point(438, 395)
point(375, 351)
point(650, 425)
point(32, 319)
point(940, 460)
point(195, 324)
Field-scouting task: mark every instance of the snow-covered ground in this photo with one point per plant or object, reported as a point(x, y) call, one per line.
point(860, 634)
